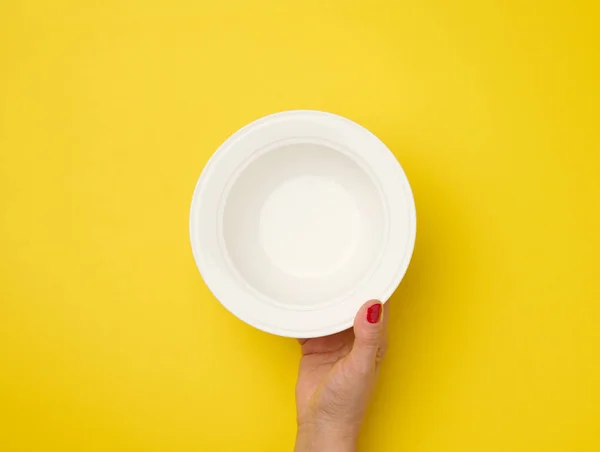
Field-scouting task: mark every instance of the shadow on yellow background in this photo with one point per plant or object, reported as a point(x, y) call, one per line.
point(109, 340)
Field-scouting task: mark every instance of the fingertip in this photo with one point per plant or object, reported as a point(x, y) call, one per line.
point(368, 323)
point(368, 333)
point(371, 312)
point(374, 312)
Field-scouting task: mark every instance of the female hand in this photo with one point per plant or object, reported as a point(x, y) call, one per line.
point(336, 377)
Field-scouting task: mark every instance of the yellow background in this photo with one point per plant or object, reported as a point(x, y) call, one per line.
point(110, 341)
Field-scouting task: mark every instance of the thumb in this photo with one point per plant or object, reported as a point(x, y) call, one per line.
point(368, 335)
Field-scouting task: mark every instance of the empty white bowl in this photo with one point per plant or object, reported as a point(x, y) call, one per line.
point(298, 219)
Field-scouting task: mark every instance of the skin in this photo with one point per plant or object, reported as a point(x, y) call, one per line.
point(336, 378)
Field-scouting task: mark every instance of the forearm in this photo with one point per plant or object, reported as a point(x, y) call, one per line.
point(325, 438)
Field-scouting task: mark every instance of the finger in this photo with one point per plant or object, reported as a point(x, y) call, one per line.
point(383, 344)
point(369, 333)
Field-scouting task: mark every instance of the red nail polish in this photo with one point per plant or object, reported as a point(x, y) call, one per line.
point(373, 313)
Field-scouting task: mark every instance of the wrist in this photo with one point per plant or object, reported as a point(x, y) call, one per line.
point(326, 437)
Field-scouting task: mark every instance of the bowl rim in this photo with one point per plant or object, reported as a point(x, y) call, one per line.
point(219, 174)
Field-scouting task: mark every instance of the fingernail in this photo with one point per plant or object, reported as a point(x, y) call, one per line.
point(374, 313)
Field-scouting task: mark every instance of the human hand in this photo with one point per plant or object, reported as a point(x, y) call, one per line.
point(335, 380)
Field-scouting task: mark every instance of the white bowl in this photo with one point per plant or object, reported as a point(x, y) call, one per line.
point(298, 219)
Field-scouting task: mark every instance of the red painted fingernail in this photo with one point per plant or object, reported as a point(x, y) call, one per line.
point(374, 313)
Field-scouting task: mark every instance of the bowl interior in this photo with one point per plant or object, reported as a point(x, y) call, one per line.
point(303, 224)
